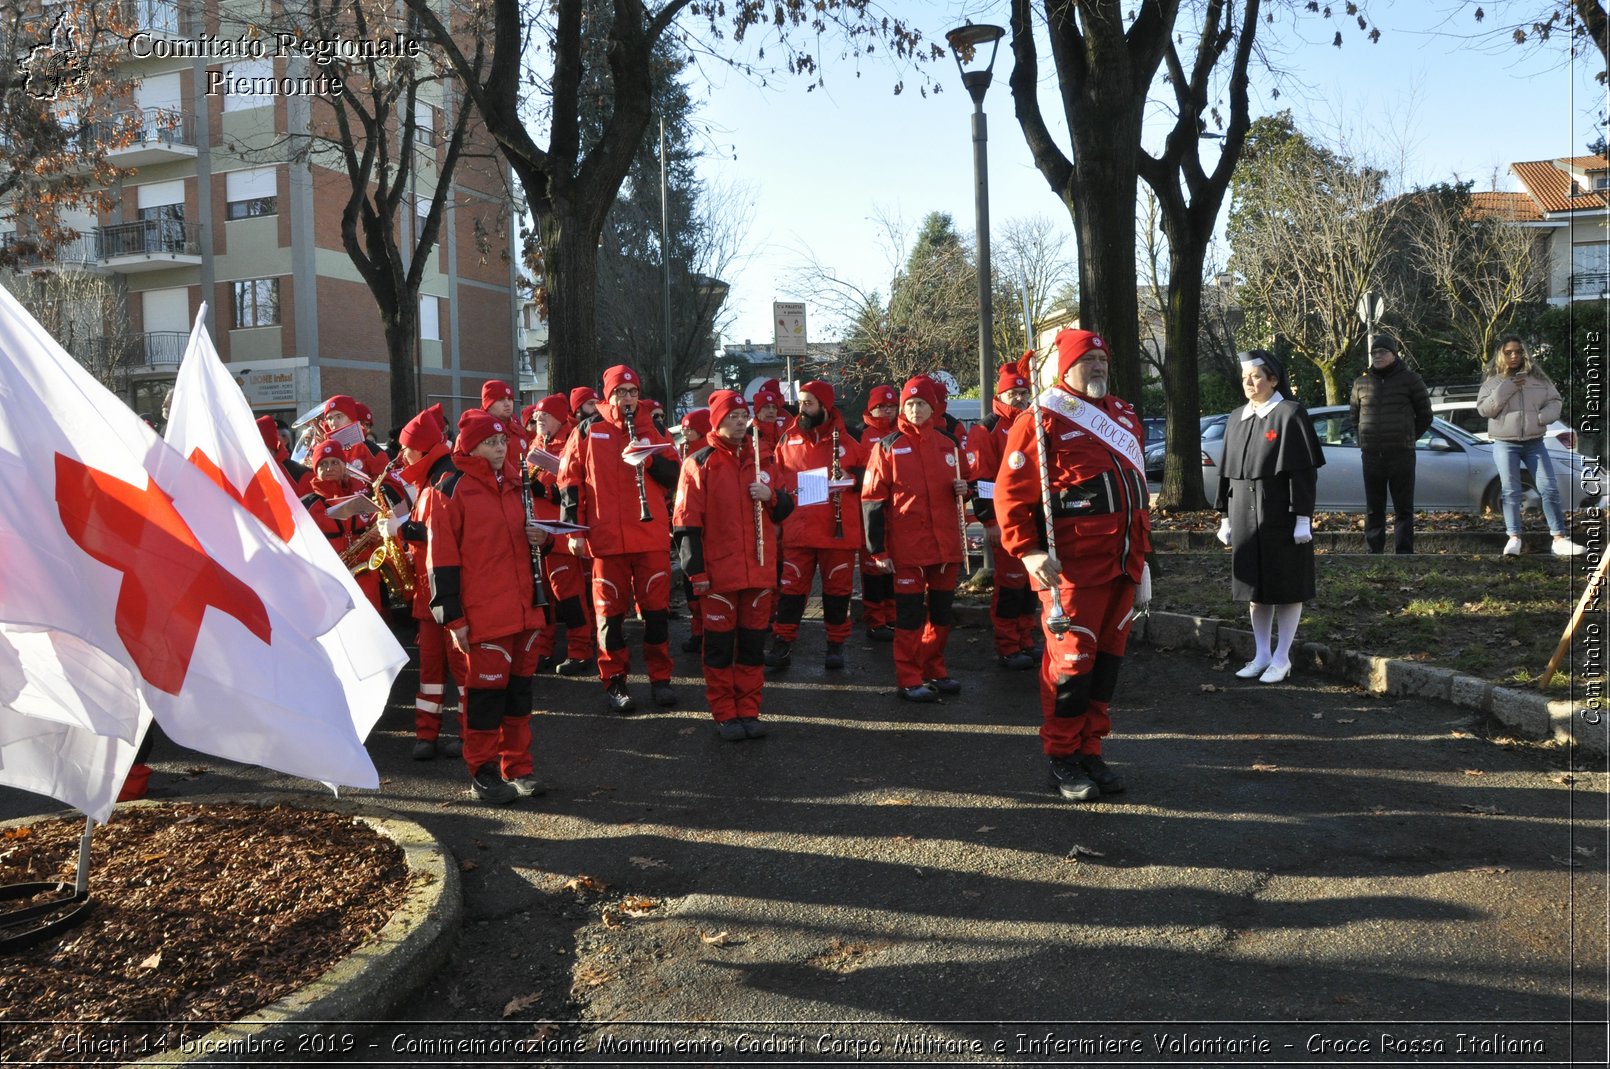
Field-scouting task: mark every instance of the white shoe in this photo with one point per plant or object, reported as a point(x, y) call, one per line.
point(1275, 673)
point(1512, 548)
point(1252, 669)
point(1564, 547)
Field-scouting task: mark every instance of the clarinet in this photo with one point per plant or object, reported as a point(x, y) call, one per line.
point(642, 493)
point(539, 596)
point(961, 510)
point(760, 508)
point(835, 474)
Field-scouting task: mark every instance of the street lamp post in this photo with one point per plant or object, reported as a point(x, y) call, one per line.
point(966, 42)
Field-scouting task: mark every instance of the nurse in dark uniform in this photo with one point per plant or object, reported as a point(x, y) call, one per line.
point(1266, 492)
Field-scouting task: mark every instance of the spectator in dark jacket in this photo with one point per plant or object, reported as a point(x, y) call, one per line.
point(1391, 409)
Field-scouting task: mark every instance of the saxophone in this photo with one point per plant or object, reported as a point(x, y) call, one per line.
point(374, 552)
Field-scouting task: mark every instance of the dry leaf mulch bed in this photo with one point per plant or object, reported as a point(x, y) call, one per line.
point(203, 913)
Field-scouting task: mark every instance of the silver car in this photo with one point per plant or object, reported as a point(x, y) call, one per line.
point(1454, 470)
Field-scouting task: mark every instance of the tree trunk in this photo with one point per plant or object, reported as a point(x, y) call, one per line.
point(570, 273)
point(401, 329)
point(1182, 474)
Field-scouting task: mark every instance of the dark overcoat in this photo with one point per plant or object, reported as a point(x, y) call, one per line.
point(1267, 479)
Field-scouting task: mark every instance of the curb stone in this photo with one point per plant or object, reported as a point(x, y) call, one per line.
point(371, 980)
point(1529, 714)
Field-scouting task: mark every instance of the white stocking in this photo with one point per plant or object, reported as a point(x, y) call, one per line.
point(1288, 616)
point(1263, 618)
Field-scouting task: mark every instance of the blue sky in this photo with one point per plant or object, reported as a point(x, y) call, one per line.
point(1437, 94)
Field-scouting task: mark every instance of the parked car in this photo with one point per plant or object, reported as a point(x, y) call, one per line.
point(1454, 470)
point(1212, 427)
point(1463, 414)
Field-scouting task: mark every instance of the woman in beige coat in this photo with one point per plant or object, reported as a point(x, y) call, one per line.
point(1520, 402)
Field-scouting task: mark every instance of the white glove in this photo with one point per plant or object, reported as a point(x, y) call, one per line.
point(1143, 592)
point(390, 525)
point(1304, 531)
point(1224, 530)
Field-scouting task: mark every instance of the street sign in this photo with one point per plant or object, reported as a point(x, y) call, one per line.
point(1370, 307)
point(788, 325)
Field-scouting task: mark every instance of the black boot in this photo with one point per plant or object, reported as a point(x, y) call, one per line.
point(834, 660)
point(780, 655)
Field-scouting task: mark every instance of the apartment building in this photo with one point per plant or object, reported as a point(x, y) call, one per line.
point(1568, 200)
point(235, 201)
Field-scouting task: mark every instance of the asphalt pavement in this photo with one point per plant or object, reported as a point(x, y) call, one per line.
point(1302, 872)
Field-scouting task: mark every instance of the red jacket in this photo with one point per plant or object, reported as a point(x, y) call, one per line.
point(600, 489)
point(1103, 529)
point(986, 445)
point(715, 517)
point(908, 500)
point(802, 449)
point(479, 559)
point(546, 498)
point(423, 475)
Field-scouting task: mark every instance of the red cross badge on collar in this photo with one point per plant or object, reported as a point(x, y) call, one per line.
point(1269, 435)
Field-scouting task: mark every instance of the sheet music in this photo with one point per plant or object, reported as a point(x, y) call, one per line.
point(811, 488)
point(986, 490)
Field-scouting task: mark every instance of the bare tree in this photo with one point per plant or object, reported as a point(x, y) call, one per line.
point(1311, 232)
point(86, 312)
point(1480, 269)
point(1032, 262)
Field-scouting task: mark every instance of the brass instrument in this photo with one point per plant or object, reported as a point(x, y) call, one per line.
point(834, 474)
point(374, 552)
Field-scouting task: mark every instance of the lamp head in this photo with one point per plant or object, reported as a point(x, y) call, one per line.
point(966, 43)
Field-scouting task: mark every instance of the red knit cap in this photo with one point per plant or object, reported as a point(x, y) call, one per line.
point(526, 415)
point(580, 396)
point(325, 451)
point(723, 403)
point(424, 432)
point(555, 404)
point(697, 421)
point(620, 375)
point(475, 427)
point(343, 404)
point(365, 414)
point(923, 387)
point(1074, 344)
point(763, 397)
point(270, 432)
point(881, 395)
point(1010, 380)
point(493, 391)
point(773, 385)
point(821, 391)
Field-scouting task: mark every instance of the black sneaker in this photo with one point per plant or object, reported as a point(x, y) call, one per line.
point(780, 655)
point(574, 666)
point(490, 787)
point(546, 665)
point(919, 694)
point(752, 727)
point(424, 749)
point(880, 634)
point(1018, 662)
point(693, 644)
point(528, 786)
point(946, 685)
point(834, 660)
point(1070, 780)
point(664, 696)
point(619, 698)
point(449, 746)
point(1109, 781)
point(731, 730)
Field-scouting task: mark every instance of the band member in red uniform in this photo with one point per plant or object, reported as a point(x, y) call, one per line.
point(769, 416)
point(1013, 606)
point(479, 548)
point(497, 401)
point(629, 529)
point(726, 517)
point(822, 536)
point(909, 507)
point(341, 423)
point(695, 429)
point(297, 475)
point(583, 403)
point(332, 481)
point(548, 426)
point(426, 462)
point(1096, 486)
point(877, 586)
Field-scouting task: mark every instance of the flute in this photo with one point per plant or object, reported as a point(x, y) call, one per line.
point(961, 509)
point(760, 508)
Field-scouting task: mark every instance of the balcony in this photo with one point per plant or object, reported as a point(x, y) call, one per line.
point(81, 253)
point(1589, 284)
point(162, 19)
point(137, 138)
point(153, 351)
point(149, 245)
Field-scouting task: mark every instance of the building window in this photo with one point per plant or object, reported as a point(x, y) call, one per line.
point(248, 84)
point(424, 124)
point(252, 193)
point(257, 303)
point(430, 318)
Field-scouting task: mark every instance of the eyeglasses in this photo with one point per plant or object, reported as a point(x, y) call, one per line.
point(627, 391)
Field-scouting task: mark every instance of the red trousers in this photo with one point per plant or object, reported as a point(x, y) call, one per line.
point(1013, 605)
point(1079, 671)
point(497, 704)
point(571, 605)
point(735, 650)
point(800, 564)
point(437, 658)
point(618, 581)
point(924, 601)
point(877, 597)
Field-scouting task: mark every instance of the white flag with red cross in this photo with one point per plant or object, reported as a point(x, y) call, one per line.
point(210, 423)
point(132, 586)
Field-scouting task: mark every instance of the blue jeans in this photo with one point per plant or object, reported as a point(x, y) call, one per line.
point(1535, 455)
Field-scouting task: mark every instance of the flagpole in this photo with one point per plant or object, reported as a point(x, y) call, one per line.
point(81, 885)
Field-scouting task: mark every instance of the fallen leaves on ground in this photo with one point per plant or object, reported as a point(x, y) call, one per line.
point(585, 883)
point(1079, 850)
point(521, 1004)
